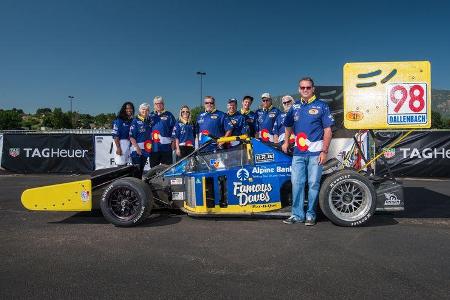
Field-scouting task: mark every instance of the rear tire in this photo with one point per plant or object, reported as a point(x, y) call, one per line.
point(347, 198)
point(126, 202)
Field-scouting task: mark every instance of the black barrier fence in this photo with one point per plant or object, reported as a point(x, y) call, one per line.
point(48, 153)
point(421, 154)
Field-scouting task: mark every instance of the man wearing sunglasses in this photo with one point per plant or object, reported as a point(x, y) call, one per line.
point(310, 120)
point(248, 114)
point(265, 118)
point(212, 122)
point(278, 126)
point(163, 121)
point(237, 120)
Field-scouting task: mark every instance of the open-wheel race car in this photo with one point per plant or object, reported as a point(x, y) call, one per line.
point(251, 179)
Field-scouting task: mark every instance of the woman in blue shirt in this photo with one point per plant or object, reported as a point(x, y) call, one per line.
point(183, 133)
point(141, 137)
point(121, 134)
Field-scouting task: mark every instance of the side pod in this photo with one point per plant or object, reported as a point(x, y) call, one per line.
point(71, 196)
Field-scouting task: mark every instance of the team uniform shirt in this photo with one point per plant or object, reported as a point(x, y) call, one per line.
point(239, 125)
point(121, 131)
point(279, 129)
point(308, 120)
point(250, 117)
point(265, 119)
point(141, 131)
point(215, 123)
point(184, 132)
point(162, 128)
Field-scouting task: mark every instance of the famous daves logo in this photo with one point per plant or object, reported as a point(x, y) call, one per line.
point(251, 193)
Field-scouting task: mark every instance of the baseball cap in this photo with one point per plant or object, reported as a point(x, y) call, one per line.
point(266, 95)
point(232, 100)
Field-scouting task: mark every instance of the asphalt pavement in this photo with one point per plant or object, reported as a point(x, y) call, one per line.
point(79, 255)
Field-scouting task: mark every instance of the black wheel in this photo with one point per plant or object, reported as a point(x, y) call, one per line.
point(347, 198)
point(126, 202)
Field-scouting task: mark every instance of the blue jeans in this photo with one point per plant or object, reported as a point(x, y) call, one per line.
point(305, 167)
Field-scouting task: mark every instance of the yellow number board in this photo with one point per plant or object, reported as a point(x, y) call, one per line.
point(387, 95)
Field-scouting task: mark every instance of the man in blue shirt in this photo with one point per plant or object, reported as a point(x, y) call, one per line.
point(237, 120)
point(163, 122)
point(265, 119)
point(212, 122)
point(278, 126)
point(249, 115)
point(310, 120)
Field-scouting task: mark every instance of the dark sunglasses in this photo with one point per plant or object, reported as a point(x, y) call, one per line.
point(265, 100)
point(306, 87)
point(209, 102)
point(185, 112)
point(287, 102)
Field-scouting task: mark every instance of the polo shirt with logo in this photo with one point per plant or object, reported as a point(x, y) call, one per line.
point(162, 128)
point(265, 119)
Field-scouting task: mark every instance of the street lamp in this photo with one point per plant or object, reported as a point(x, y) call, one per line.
point(71, 113)
point(201, 86)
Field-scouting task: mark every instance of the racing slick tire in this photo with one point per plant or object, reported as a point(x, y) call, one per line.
point(347, 198)
point(126, 202)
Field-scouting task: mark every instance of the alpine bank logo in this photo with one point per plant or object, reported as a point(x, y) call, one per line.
point(242, 174)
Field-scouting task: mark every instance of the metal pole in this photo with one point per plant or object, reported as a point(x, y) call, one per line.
point(201, 86)
point(71, 112)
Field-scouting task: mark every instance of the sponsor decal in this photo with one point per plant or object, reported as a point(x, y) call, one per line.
point(389, 152)
point(164, 118)
point(313, 111)
point(216, 163)
point(264, 157)
point(174, 181)
point(51, 153)
point(391, 199)
point(14, 152)
point(242, 174)
point(264, 170)
point(214, 116)
point(198, 180)
point(84, 195)
point(271, 115)
point(251, 193)
point(177, 195)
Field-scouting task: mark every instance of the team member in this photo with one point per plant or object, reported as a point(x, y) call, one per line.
point(163, 123)
point(183, 133)
point(248, 114)
point(310, 120)
point(121, 133)
point(278, 126)
point(237, 120)
point(265, 118)
point(141, 137)
point(212, 122)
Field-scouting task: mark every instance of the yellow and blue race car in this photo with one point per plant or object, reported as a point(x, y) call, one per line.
point(250, 179)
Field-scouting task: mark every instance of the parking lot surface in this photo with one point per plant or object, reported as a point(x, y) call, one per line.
point(171, 255)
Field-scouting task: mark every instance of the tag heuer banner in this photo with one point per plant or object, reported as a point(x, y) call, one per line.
point(421, 154)
point(44, 153)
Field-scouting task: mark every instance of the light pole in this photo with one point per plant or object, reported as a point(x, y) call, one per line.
point(201, 86)
point(71, 114)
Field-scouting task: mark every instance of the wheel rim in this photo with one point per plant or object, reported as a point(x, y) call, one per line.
point(350, 200)
point(124, 203)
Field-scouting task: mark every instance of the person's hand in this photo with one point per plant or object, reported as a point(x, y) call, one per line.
point(138, 151)
point(285, 147)
point(119, 151)
point(322, 158)
point(178, 152)
point(220, 145)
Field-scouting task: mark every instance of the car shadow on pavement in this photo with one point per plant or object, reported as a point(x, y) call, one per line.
point(421, 202)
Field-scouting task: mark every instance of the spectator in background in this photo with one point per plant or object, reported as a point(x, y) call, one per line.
point(212, 122)
point(183, 133)
point(162, 126)
point(249, 115)
point(121, 134)
point(141, 137)
point(265, 118)
point(278, 127)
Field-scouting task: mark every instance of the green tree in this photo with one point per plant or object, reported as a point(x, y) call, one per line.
point(436, 120)
point(104, 120)
point(10, 119)
point(43, 111)
point(60, 120)
point(195, 112)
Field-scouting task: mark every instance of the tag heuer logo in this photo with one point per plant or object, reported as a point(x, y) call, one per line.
point(389, 152)
point(14, 152)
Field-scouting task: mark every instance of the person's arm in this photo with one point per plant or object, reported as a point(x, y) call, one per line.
point(118, 148)
point(287, 132)
point(327, 134)
point(177, 147)
point(115, 134)
point(136, 146)
point(288, 124)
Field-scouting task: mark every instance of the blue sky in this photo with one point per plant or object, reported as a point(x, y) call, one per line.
point(106, 52)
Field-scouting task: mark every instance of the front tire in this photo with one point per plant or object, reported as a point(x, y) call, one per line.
point(126, 202)
point(347, 198)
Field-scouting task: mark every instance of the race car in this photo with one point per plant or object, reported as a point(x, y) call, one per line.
point(251, 179)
